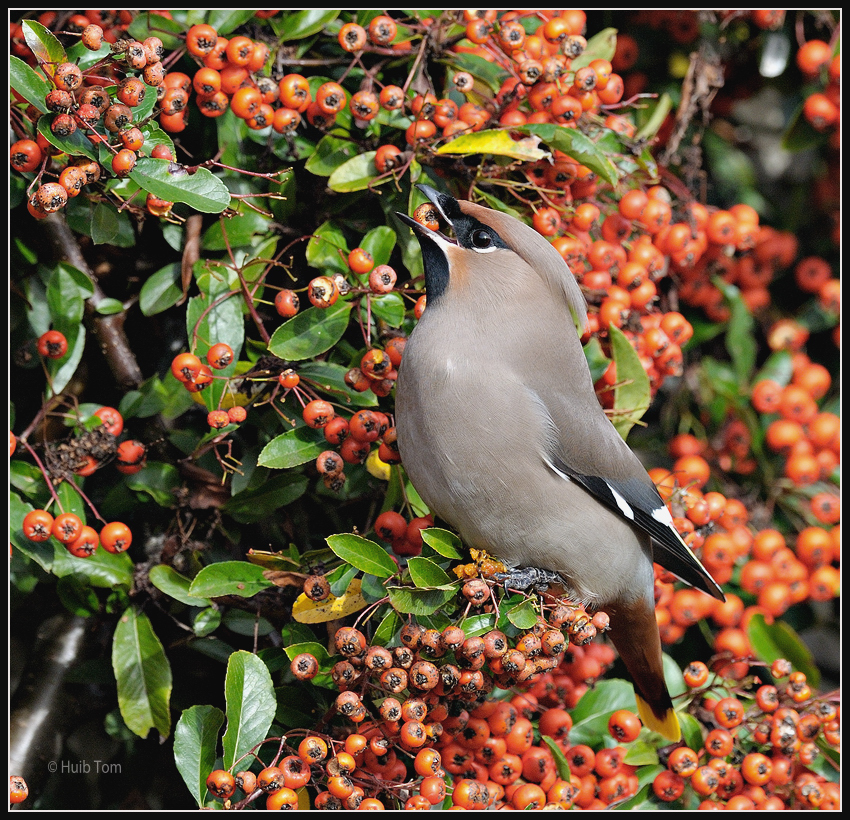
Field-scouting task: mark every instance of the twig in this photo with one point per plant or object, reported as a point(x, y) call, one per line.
point(108, 330)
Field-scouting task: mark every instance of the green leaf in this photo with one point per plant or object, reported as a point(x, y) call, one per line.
point(597, 361)
point(76, 145)
point(211, 319)
point(104, 569)
point(601, 46)
point(390, 624)
point(30, 85)
point(41, 552)
point(408, 600)
point(159, 480)
point(778, 640)
point(109, 307)
point(577, 145)
point(303, 23)
point(426, 574)
point(800, 135)
point(67, 291)
point(147, 24)
point(206, 621)
point(331, 154)
point(172, 583)
point(327, 249)
point(489, 73)
point(43, 43)
point(561, 764)
point(632, 394)
point(691, 730)
point(497, 143)
point(443, 542)
point(143, 675)
point(251, 506)
point(70, 501)
point(195, 742)
point(778, 367)
point(379, 242)
point(292, 448)
point(246, 623)
point(523, 615)
point(388, 307)
point(77, 597)
point(85, 58)
point(170, 181)
point(330, 377)
point(229, 578)
point(673, 676)
point(740, 340)
point(372, 588)
point(362, 553)
point(590, 717)
point(341, 578)
point(356, 174)
point(656, 119)
point(225, 21)
point(27, 478)
point(161, 290)
point(310, 332)
point(154, 136)
point(496, 204)
point(480, 624)
point(250, 705)
point(240, 231)
point(315, 649)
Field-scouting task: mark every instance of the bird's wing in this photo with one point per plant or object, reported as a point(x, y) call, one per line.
point(586, 448)
point(640, 502)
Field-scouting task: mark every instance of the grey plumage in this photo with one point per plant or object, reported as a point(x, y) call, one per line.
point(500, 430)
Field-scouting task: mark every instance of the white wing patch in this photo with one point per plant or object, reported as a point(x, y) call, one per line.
point(662, 515)
point(623, 505)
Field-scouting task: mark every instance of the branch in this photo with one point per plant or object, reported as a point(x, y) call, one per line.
point(108, 330)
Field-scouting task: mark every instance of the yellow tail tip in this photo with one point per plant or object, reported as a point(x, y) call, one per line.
point(668, 726)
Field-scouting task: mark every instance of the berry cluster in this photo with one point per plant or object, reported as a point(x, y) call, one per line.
point(421, 715)
point(83, 100)
point(526, 111)
point(79, 539)
point(760, 751)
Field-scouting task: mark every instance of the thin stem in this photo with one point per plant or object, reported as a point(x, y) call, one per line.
point(44, 473)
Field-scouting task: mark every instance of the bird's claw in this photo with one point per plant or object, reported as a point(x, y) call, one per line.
point(528, 578)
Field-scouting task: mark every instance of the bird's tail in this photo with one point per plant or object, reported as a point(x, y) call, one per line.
point(634, 633)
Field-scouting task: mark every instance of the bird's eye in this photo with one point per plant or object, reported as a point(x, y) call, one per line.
point(481, 239)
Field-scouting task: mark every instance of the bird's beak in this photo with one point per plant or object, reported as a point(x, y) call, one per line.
point(445, 204)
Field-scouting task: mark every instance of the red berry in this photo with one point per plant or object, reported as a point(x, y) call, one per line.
point(52, 345)
point(130, 457)
point(218, 419)
point(220, 356)
point(111, 419)
point(67, 527)
point(38, 525)
point(116, 537)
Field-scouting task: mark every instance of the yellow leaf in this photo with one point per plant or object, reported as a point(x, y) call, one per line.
point(306, 611)
point(228, 400)
point(495, 143)
point(376, 467)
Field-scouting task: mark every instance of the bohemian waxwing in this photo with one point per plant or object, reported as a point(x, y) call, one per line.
point(502, 435)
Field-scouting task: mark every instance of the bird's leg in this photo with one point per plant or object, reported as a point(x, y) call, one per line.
point(524, 578)
point(495, 604)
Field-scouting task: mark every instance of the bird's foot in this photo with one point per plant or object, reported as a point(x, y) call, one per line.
point(525, 578)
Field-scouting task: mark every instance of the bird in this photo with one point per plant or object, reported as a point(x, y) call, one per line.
point(501, 433)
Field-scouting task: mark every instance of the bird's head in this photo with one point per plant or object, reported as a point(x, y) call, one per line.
point(485, 241)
